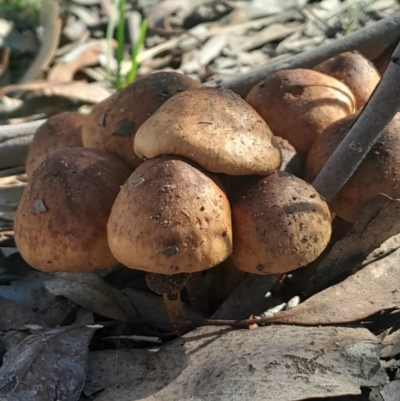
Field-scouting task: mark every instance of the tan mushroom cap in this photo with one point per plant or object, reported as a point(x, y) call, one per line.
point(299, 104)
point(170, 218)
point(213, 127)
point(354, 70)
point(280, 224)
point(112, 123)
point(379, 172)
point(61, 220)
point(59, 131)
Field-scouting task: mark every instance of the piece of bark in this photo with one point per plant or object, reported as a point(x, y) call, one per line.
point(371, 41)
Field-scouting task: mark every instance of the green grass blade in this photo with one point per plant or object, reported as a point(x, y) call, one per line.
point(138, 45)
point(121, 42)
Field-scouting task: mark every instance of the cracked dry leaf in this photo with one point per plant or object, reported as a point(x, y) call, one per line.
point(46, 366)
point(94, 294)
point(373, 289)
point(274, 363)
point(14, 316)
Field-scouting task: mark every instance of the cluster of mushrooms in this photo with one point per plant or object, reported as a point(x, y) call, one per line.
point(174, 178)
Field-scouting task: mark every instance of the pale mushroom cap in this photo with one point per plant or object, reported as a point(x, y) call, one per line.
point(61, 220)
point(112, 123)
point(59, 131)
point(213, 127)
point(170, 218)
point(354, 70)
point(280, 224)
point(378, 173)
point(299, 104)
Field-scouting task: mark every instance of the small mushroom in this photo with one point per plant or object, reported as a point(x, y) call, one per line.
point(354, 70)
point(299, 104)
point(280, 224)
point(113, 123)
point(59, 131)
point(215, 128)
point(170, 218)
point(379, 172)
point(61, 220)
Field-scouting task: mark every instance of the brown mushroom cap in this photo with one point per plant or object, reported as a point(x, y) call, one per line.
point(354, 70)
point(213, 127)
point(61, 220)
point(113, 123)
point(379, 172)
point(59, 131)
point(170, 218)
point(280, 224)
point(299, 104)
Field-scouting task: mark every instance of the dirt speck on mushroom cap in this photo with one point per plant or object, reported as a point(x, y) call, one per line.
point(170, 217)
point(280, 224)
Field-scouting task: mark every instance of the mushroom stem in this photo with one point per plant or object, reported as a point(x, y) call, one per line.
point(169, 287)
point(174, 307)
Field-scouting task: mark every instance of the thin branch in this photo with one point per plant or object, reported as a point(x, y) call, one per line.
point(22, 129)
point(364, 132)
point(370, 41)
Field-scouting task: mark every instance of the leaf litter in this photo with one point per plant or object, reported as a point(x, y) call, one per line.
point(62, 351)
point(207, 40)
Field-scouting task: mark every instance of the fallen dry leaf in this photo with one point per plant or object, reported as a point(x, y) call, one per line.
point(64, 352)
point(14, 316)
point(391, 345)
point(94, 294)
point(152, 309)
point(86, 55)
point(370, 290)
point(29, 290)
point(275, 363)
point(117, 367)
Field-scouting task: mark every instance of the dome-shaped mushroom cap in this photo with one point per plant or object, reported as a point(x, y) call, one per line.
point(112, 123)
point(280, 224)
point(59, 131)
point(299, 104)
point(378, 173)
point(213, 127)
point(170, 218)
point(61, 220)
point(354, 70)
